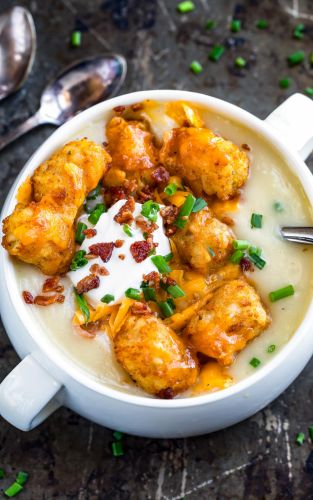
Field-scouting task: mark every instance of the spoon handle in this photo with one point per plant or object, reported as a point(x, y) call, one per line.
point(298, 234)
point(21, 129)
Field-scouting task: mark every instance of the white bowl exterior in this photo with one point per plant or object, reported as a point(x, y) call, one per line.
point(136, 414)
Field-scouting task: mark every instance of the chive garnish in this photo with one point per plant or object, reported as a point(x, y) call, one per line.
point(127, 230)
point(107, 298)
point(255, 362)
point(296, 58)
point(281, 293)
point(241, 244)
point(170, 189)
point(299, 31)
point(94, 193)
point(166, 308)
point(13, 490)
point(196, 67)
point(211, 251)
point(133, 293)
point(255, 250)
point(236, 257)
point(284, 83)
point(161, 264)
point(240, 62)
point(216, 52)
point(256, 220)
point(200, 203)
point(278, 206)
point(235, 25)
point(117, 435)
point(210, 24)
point(185, 211)
point(185, 7)
point(257, 260)
point(300, 438)
point(149, 293)
point(79, 260)
point(150, 210)
point(79, 234)
point(262, 24)
point(176, 291)
point(117, 449)
point(310, 431)
point(2, 473)
point(22, 478)
point(95, 215)
point(308, 91)
point(271, 348)
point(169, 257)
point(82, 304)
point(76, 39)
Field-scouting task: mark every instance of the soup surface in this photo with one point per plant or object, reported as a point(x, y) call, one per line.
point(272, 191)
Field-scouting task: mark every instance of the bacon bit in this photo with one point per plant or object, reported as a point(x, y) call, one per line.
point(83, 332)
point(117, 193)
point(119, 243)
point(103, 271)
point(246, 147)
point(227, 220)
point(167, 393)
point(145, 225)
point(130, 185)
point(140, 308)
point(246, 264)
point(140, 250)
point(121, 256)
point(146, 194)
point(47, 300)
point(90, 233)
point(153, 279)
point(102, 250)
point(28, 298)
point(138, 106)
point(92, 327)
point(169, 214)
point(125, 213)
point(160, 176)
point(170, 230)
point(105, 144)
point(88, 283)
point(119, 109)
point(90, 256)
point(168, 281)
point(96, 269)
point(51, 284)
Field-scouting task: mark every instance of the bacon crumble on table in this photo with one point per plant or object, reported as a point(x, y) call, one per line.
point(88, 283)
point(90, 233)
point(102, 250)
point(125, 213)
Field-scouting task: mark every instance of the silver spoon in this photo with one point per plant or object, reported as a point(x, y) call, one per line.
point(17, 49)
point(78, 87)
point(302, 235)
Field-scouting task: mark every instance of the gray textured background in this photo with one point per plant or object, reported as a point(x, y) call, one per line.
point(68, 457)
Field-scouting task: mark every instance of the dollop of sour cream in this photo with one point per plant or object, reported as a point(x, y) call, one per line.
point(123, 274)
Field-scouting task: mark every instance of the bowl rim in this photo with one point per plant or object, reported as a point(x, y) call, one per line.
point(49, 347)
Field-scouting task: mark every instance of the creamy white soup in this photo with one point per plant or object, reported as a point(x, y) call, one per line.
point(271, 190)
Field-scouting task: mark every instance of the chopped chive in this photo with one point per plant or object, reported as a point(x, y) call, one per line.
point(117, 449)
point(22, 478)
point(94, 193)
point(256, 221)
point(284, 83)
point(79, 235)
point(171, 302)
point(82, 304)
point(298, 35)
point(271, 348)
point(241, 244)
point(200, 203)
point(2, 473)
point(150, 210)
point(281, 293)
point(127, 230)
point(308, 91)
point(211, 251)
point(300, 27)
point(133, 293)
point(311, 58)
point(185, 211)
point(166, 308)
point(236, 257)
point(257, 260)
point(300, 438)
point(117, 435)
point(255, 362)
point(95, 215)
point(278, 206)
point(235, 25)
point(296, 58)
point(79, 260)
point(169, 257)
point(13, 490)
point(196, 67)
point(176, 291)
point(310, 430)
point(161, 264)
point(262, 24)
point(185, 7)
point(240, 62)
point(255, 250)
point(76, 39)
point(149, 293)
point(170, 189)
point(152, 252)
point(216, 52)
point(107, 298)
point(210, 24)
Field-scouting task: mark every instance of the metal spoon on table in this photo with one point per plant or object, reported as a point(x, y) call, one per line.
point(302, 235)
point(17, 49)
point(78, 87)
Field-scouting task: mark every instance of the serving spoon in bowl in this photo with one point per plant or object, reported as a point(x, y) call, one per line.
point(78, 87)
point(302, 235)
point(17, 49)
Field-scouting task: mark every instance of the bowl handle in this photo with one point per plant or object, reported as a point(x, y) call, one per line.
point(293, 120)
point(28, 395)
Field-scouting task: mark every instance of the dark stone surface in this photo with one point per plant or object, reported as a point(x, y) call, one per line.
point(67, 456)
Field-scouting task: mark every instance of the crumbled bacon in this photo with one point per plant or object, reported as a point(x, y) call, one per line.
point(88, 283)
point(169, 214)
point(146, 194)
point(125, 213)
point(117, 193)
point(121, 256)
point(102, 250)
point(145, 225)
point(170, 230)
point(52, 285)
point(28, 298)
point(140, 308)
point(153, 279)
point(92, 327)
point(90, 233)
point(103, 271)
point(140, 250)
point(246, 264)
point(138, 106)
point(167, 393)
point(246, 147)
point(119, 243)
point(160, 176)
point(227, 220)
point(96, 269)
point(90, 256)
point(130, 186)
point(168, 281)
point(119, 109)
point(47, 300)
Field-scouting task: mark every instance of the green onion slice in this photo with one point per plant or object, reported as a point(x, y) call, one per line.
point(308, 91)
point(166, 308)
point(255, 250)
point(95, 215)
point(196, 67)
point(170, 189)
point(150, 210)
point(241, 244)
point(255, 362)
point(169, 257)
point(149, 293)
point(281, 293)
point(133, 293)
point(13, 490)
point(216, 52)
point(284, 83)
point(175, 291)
point(256, 220)
point(94, 193)
point(79, 260)
point(211, 252)
point(210, 24)
point(76, 39)
point(300, 438)
point(235, 25)
point(262, 24)
point(296, 58)
point(127, 230)
point(278, 206)
point(200, 203)
point(310, 431)
point(79, 235)
point(107, 298)
point(117, 435)
point(271, 348)
point(257, 260)
point(240, 62)
point(82, 304)
point(185, 211)
point(117, 449)
point(2, 473)
point(22, 477)
point(161, 264)
point(236, 257)
point(185, 7)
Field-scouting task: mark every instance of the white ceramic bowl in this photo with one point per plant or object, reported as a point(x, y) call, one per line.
point(46, 378)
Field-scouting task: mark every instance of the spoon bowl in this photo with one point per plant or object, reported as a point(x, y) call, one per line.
point(17, 49)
